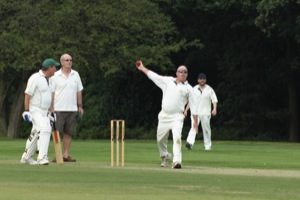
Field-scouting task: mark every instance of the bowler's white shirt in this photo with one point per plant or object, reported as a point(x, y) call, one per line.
point(175, 96)
point(204, 99)
point(65, 89)
point(39, 90)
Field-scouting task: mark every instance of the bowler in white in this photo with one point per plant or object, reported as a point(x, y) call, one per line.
point(176, 94)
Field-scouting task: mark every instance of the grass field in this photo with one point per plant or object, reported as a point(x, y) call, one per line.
point(232, 170)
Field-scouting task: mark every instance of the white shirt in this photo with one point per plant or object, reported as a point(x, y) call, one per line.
point(65, 89)
point(39, 90)
point(204, 99)
point(175, 96)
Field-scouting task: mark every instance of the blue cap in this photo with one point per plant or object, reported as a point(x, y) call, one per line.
point(201, 76)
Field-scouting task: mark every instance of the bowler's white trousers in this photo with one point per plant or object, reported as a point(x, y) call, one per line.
point(205, 124)
point(163, 129)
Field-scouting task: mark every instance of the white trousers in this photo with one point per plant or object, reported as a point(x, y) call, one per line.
point(163, 131)
point(41, 126)
point(205, 124)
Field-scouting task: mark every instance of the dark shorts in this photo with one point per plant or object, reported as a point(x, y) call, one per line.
point(66, 122)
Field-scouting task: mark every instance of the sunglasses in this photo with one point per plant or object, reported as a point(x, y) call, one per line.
point(182, 71)
point(68, 60)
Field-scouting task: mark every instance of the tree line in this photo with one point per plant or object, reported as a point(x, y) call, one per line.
point(248, 49)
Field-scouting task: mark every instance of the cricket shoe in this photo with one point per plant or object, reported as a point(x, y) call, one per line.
point(30, 161)
point(188, 146)
point(165, 160)
point(176, 165)
point(43, 161)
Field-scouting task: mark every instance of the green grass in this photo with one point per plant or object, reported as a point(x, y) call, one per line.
point(232, 170)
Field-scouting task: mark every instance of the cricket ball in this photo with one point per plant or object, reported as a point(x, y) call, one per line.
point(137, 63)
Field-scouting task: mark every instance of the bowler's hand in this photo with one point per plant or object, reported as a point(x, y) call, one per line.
point(195, 123)
point(139, 65)
point(213, 112)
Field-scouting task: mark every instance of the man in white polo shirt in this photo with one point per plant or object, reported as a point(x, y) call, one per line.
point(67, 102)
point(176, 93)
point(206, 107)
point(36, 104)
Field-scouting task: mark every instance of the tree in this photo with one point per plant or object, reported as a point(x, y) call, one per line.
point(281, 19)
point(120, 33)
point(103, 37)
point(23, 48)
point(242, 63)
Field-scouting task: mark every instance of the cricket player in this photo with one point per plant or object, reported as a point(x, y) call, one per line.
point(37, 102)
point(206, 101)
point(176, 94)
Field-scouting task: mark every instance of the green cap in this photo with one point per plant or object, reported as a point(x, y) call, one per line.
point(49, 62)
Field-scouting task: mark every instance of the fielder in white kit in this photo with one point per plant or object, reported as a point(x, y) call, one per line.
point(205, 99)
point(36, 104)
point(176, 94)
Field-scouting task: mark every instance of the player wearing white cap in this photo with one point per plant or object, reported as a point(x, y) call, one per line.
point(176, 94)
point(206, 100)
point(36, 104)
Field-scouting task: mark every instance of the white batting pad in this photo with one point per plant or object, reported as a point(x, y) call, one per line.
point(44, 140)
point(31, 144)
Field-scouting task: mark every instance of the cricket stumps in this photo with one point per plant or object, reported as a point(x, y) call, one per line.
point(115, 126)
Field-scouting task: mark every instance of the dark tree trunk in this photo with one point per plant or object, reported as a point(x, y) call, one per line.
point(293, 110)
point(16, 112)
point(3, 122)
